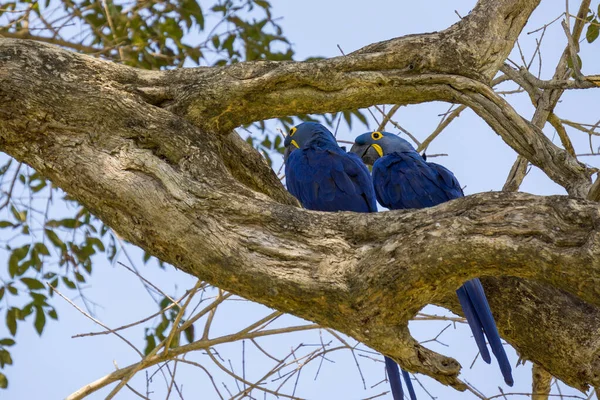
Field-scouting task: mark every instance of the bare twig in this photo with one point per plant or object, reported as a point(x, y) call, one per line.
point(94, 319)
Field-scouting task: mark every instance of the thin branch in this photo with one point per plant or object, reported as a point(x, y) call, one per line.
point(175, 329)
point(11, 187)
point(94, 319)
point(153, 359)
point(573, 47)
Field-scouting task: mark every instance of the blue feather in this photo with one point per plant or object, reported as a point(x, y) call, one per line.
point(409, 385)
point(482, 308)
point(474, 323)
point(323, 177)
point(403, 179)
point(394, 377)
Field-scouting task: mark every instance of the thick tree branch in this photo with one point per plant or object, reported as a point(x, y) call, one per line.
point(164, 185)
point(355, 89)
point(150, 153)
point(26, 34)
point(474, 48)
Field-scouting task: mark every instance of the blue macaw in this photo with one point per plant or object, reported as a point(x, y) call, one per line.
point(404, 179)
point(323, 177)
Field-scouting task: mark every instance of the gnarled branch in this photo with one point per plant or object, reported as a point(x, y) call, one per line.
point(152, 154)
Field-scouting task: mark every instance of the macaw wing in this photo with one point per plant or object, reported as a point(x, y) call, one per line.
point(404, 180)
point(447, 181)
point(329, 180)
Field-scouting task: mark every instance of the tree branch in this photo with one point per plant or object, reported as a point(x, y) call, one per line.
point(541, 384)
point(152, 155)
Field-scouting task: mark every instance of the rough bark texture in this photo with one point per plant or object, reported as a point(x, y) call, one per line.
point(152, 154)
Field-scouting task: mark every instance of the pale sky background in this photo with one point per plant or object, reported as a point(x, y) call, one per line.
point(53, 366)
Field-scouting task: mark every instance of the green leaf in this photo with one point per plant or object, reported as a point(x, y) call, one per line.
point(175, 342)
point(94, 241)
point(570, 62)
point(41, 248)
point(25, 312)
point(79, 277)
point(216, 41)
point(2, 291)
point(38, 298)
point(7, 342)
point(11, 321)
point(53, 237)
point(38, 187)
point(20, 216)
point(33, 284)
point(361, 117)
point(228, 44)
point(160, 329)
point(165, 302)
point(189, 333)
point(150, 344)
point(16, 256)
point(54, 283)
point(3, 381)
point(52, 314)
point(6, 166)
point(592, 32)
point(6, 224)
point(68, 282)
point(262, 3)
point(266, 142)
point(5, 358)
point(40, 320)
point(69, 223)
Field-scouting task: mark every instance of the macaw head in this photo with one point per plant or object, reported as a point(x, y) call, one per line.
point(372, 145)
point(300, 135)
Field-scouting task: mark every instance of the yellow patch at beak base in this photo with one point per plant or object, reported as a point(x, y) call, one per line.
point(295, 144)
point(377, 148)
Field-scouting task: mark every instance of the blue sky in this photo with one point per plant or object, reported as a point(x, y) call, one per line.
point(55, 365)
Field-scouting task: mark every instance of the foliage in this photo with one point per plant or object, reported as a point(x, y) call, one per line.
point(48, 247)
point(593, 28)
point(47, 250)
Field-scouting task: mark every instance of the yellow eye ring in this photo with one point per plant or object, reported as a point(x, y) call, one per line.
point(376, 135)
point(293, 130)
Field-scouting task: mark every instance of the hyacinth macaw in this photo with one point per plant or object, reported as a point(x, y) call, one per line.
point(323, 177)
point(404, 179)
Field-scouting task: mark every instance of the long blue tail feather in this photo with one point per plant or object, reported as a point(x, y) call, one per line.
point(409, 385)
point(393, 372)
point(394, 377)
point(480, 304)
point(403, 179)
point(474, 323)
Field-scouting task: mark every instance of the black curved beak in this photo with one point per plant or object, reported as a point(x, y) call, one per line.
point(366, 152)
point(287, 152)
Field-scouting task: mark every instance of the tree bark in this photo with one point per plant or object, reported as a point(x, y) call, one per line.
point(152, 154)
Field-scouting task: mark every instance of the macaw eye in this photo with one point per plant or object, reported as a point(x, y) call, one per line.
point(293, 130)
point(376, 135)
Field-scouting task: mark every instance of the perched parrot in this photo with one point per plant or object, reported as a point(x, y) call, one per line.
point(404, 179)
point(323, 177)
